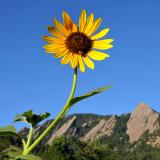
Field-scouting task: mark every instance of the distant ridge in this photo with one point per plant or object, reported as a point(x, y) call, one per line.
point(91, 127)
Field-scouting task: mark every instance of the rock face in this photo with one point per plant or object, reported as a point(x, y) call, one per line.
point(141, 120)
point(90, 127)
point(62, 130)
point(104, 127)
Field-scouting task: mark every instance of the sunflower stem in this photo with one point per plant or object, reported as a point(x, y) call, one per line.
point(64, 110)
point(29, 138)
point(24, 143)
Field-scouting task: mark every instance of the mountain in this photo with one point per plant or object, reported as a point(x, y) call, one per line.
point(135, 135)
point(90, 127)
point(143, 119)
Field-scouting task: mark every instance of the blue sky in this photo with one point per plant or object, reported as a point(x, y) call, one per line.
point(32, 79)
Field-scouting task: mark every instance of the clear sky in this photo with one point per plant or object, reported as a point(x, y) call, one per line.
point(32, 79)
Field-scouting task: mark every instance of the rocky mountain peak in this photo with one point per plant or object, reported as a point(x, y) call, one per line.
point(143, 107)
point(141, 120)
point(104, 127)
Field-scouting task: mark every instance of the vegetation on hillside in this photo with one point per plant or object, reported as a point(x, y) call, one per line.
point(114, 147)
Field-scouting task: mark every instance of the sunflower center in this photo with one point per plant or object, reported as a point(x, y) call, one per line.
point(78, 43)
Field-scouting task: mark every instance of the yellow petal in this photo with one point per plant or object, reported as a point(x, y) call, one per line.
point(95, 26)
point(55, 33)
point(74, 28)
point(100, 34)
point(52, 48)
point(68, 23)
point(96, 55)
point(71, 61)
point(53, 40)
point(80, 63)
point(82, 20)
point(103, 44)
point(66, 58)
point(51, 51)
point(88, 62)
point(61, 53)
point(74, 60)
point(89, 23)
point(60, 27)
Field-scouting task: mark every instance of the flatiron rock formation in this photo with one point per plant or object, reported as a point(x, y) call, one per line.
point(104, 127)
point(143, 119)
point(62, 130)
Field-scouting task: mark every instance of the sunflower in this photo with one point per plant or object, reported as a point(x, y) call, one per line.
point(76, 44)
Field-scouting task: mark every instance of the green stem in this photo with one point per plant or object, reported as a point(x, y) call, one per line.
point(29, 138)
point(24, 143)
point(60, 115)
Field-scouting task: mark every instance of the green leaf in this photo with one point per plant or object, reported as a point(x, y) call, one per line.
point(31, 118)
point(27, 157)
point(38, 118)
point(28, 113)
point(11, 152)
point(15, 153)
point(89, 94)
point(20, 119)
point(8, 131)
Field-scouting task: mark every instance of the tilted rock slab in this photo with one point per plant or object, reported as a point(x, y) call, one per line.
point(62, 130)
point(104, 127)
point(141, 120)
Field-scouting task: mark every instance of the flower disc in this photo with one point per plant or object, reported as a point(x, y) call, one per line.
point(79, 43)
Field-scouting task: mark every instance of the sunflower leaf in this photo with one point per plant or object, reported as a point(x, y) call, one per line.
point(28, 114)
point(27, 157)
point(31, 118)
point(89, 94)
point(8, 131)
point(20, 119)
